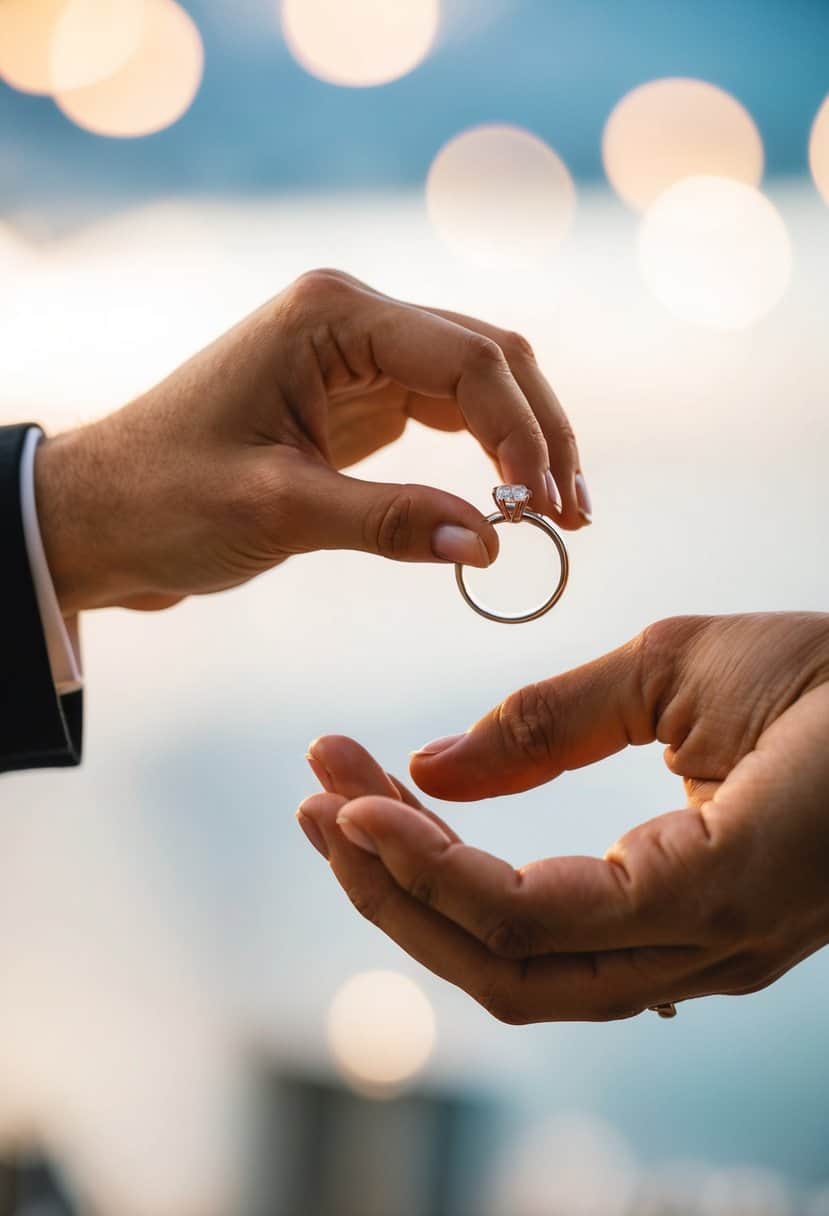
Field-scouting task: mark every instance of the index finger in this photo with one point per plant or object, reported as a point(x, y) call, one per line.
point(436, 357)
point(344, 767)
point(565, 463)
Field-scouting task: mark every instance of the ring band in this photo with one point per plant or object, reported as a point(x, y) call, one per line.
point(668, 1010)
point(512, 503)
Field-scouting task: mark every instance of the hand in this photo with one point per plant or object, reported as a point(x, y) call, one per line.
point(230, 465)
point(723, 896)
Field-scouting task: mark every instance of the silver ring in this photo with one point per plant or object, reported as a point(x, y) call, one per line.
point(668, 1010)
point(512, 503)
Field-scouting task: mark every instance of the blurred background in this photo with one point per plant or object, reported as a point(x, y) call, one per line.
point(192, 1020)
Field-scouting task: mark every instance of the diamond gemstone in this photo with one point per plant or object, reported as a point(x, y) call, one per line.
point(512, 494)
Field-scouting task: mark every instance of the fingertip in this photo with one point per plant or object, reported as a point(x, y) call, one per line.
point(436, 779)
point(321, 807)
point(325, 747)
point(368, 806)
point(553, 494)
point(359, 818)
point(572, 518)
point(356, 834)
point(583, 499)
point(384, 820)
point(489, 537)
point(453, 543)
point(438, 746)
point(319, 770)
point(312, 832)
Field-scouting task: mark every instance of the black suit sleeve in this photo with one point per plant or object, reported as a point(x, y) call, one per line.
point(38, 728)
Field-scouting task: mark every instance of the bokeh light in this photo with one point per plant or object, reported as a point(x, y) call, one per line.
point(360, 42)
point(818, 1203)
point(667, 130)
point(94, 39)
point(47, 45)
point(819, 150)
point(574, 1165)
point(499, 195)
point(381, 1029)
point(13, 254)
point(745, 1191)
point(156, 85)
point(27, 28)
point(672, 1188)
point(715, 252)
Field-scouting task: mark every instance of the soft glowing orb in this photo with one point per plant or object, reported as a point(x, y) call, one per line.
point(26, 31)
point(819, 150)
point(671, 1188)
point(360, 42)
point(818, 1203)
point(154, 88)
point(667, 130)
point(47, 45)
point(715, 252)
point(94, 39)
point(500, 195)
point(744, 1191)
point(574, 1165)
point(13, 254)
point(381, 1029)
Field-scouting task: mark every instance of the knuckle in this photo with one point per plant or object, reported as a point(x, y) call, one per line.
point(725, 919)
point(502, 1004)
point(658, 654)
point(482, 351)
point(422, 888)
point(658, 640)
point(254, 502)
point(646, 871)
point(567, 440)
point(749, 972)
point(661, 641)
point(516, 347)
point(316, 286)
point(390, 528)
point(608, 1003)
point(614, 1010)
point(509, 938)
point(368, 904)
point(527, 720)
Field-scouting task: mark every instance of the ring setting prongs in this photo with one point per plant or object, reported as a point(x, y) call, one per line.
point(511, 501)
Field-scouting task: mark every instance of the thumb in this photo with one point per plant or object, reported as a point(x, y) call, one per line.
point(408, 523)
point(544, 729)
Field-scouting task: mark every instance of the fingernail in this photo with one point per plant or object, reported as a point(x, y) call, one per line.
point(437, 746)
point(552, 491)
point(320, 771)
point(313, 833)
point(583, 497)
point(357, 835)
point(455, 544)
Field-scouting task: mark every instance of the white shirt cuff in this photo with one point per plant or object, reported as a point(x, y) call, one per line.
point(62, 636)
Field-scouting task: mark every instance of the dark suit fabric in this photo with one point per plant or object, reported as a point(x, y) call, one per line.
point(38, 728)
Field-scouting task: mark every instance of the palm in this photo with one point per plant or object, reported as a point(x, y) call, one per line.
point(723, 896)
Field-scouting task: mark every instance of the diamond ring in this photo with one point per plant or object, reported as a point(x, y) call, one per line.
point(513, 508)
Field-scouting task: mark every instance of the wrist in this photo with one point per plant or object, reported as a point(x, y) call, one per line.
point(74, 517)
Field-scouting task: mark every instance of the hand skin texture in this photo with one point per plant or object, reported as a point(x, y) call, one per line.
point(722, 896)
point(231, 464)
